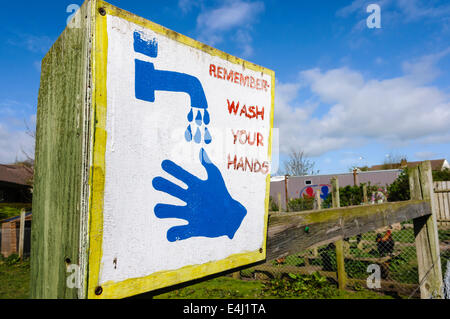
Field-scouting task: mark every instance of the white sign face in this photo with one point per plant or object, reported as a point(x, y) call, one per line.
point(187, 157)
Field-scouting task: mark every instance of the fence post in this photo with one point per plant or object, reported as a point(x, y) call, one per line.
point(318, 202)
point(366, 200)
point(426, 234)
point(340, 258)
point(286, 192)
point(21, 233)
point(280, 205)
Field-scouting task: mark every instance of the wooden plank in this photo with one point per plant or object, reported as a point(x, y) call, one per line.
point(446, 203)
point(21, 233)
point(287, 235)
point(61, 137)
point(339, 244)
point(426, 235)
point(439, 197)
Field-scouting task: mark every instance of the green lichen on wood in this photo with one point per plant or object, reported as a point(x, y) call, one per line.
point(59, 156)
point(327, 215)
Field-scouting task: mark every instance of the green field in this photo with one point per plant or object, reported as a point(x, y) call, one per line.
point(15, 284)
point(14, 279)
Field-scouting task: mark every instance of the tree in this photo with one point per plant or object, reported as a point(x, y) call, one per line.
point(393, 160)
point(440, 176)
point(399, 189)
point(299, 165)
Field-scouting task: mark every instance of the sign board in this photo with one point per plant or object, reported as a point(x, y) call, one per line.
point(179, 157)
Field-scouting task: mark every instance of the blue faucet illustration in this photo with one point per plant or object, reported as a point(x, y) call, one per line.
point(210, 210)
point(149, 80)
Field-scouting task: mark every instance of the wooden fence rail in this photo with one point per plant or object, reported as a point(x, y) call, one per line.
point(291, 233)
point(442, 191)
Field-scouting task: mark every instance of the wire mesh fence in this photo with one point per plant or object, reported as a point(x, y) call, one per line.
point(389, 252)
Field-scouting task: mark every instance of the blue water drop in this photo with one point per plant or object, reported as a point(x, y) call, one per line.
point(199, 119)
point(191, 116)
point(188, 134)
point(208, 138)
point(198, 136)
point(206, 118)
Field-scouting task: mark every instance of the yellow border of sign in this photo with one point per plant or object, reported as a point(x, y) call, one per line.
point(164, 279)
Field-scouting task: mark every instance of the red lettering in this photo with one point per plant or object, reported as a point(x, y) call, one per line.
point(240, 164)
point(247, 164)
point(257, 170)
point(244, 80)
point(235, 135)
point(249, 141)
point(232, 108)
point(252, 113)
point(230, 76)
point(212, 70)
point(236, 77)
point(243, 134)
point(243, 111)
point(265, 169)
point(258, 113)
point(219, 72)
point(232, 162)
point(260, 140)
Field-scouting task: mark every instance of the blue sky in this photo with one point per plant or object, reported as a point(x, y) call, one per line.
point(346, 94)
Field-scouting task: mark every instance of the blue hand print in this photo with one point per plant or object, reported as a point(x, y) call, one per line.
point(325, 191)
point(210, 210)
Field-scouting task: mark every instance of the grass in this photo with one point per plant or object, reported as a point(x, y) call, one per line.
point(14, 279)
point(229, 288)
point(15, 284)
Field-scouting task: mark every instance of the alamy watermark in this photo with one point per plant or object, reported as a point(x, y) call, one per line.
point(73, 279)
point(374, 279)
point(374, 20)
point(74, 19)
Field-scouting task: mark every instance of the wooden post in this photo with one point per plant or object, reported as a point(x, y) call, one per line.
point(340, 258)
point(335, 192)
point(61, 167)
point(280, 206)
point(286, 192)
point(355, 177)
point(21, 233)
point(318, 201)
point(366, 200)
point(318, 204)
point(426, 234)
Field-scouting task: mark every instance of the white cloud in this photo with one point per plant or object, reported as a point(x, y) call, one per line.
point(397, 11)
point(425, 155)
point(187, 5)
point(236, 16)
point(33, 43)
point(15, 124)
point(14, 144)
point(396, 110)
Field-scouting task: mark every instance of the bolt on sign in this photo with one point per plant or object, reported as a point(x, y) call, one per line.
point(153, 159)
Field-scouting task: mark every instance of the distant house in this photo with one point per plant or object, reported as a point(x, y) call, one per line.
point(9, 236)
point(300, 186)
point(15, 183)
point(436, 165)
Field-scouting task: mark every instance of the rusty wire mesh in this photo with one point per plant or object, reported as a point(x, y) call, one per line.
point(392, 249)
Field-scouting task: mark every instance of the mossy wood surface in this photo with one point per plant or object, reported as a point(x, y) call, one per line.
point(60, 139)
point(287, 233)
